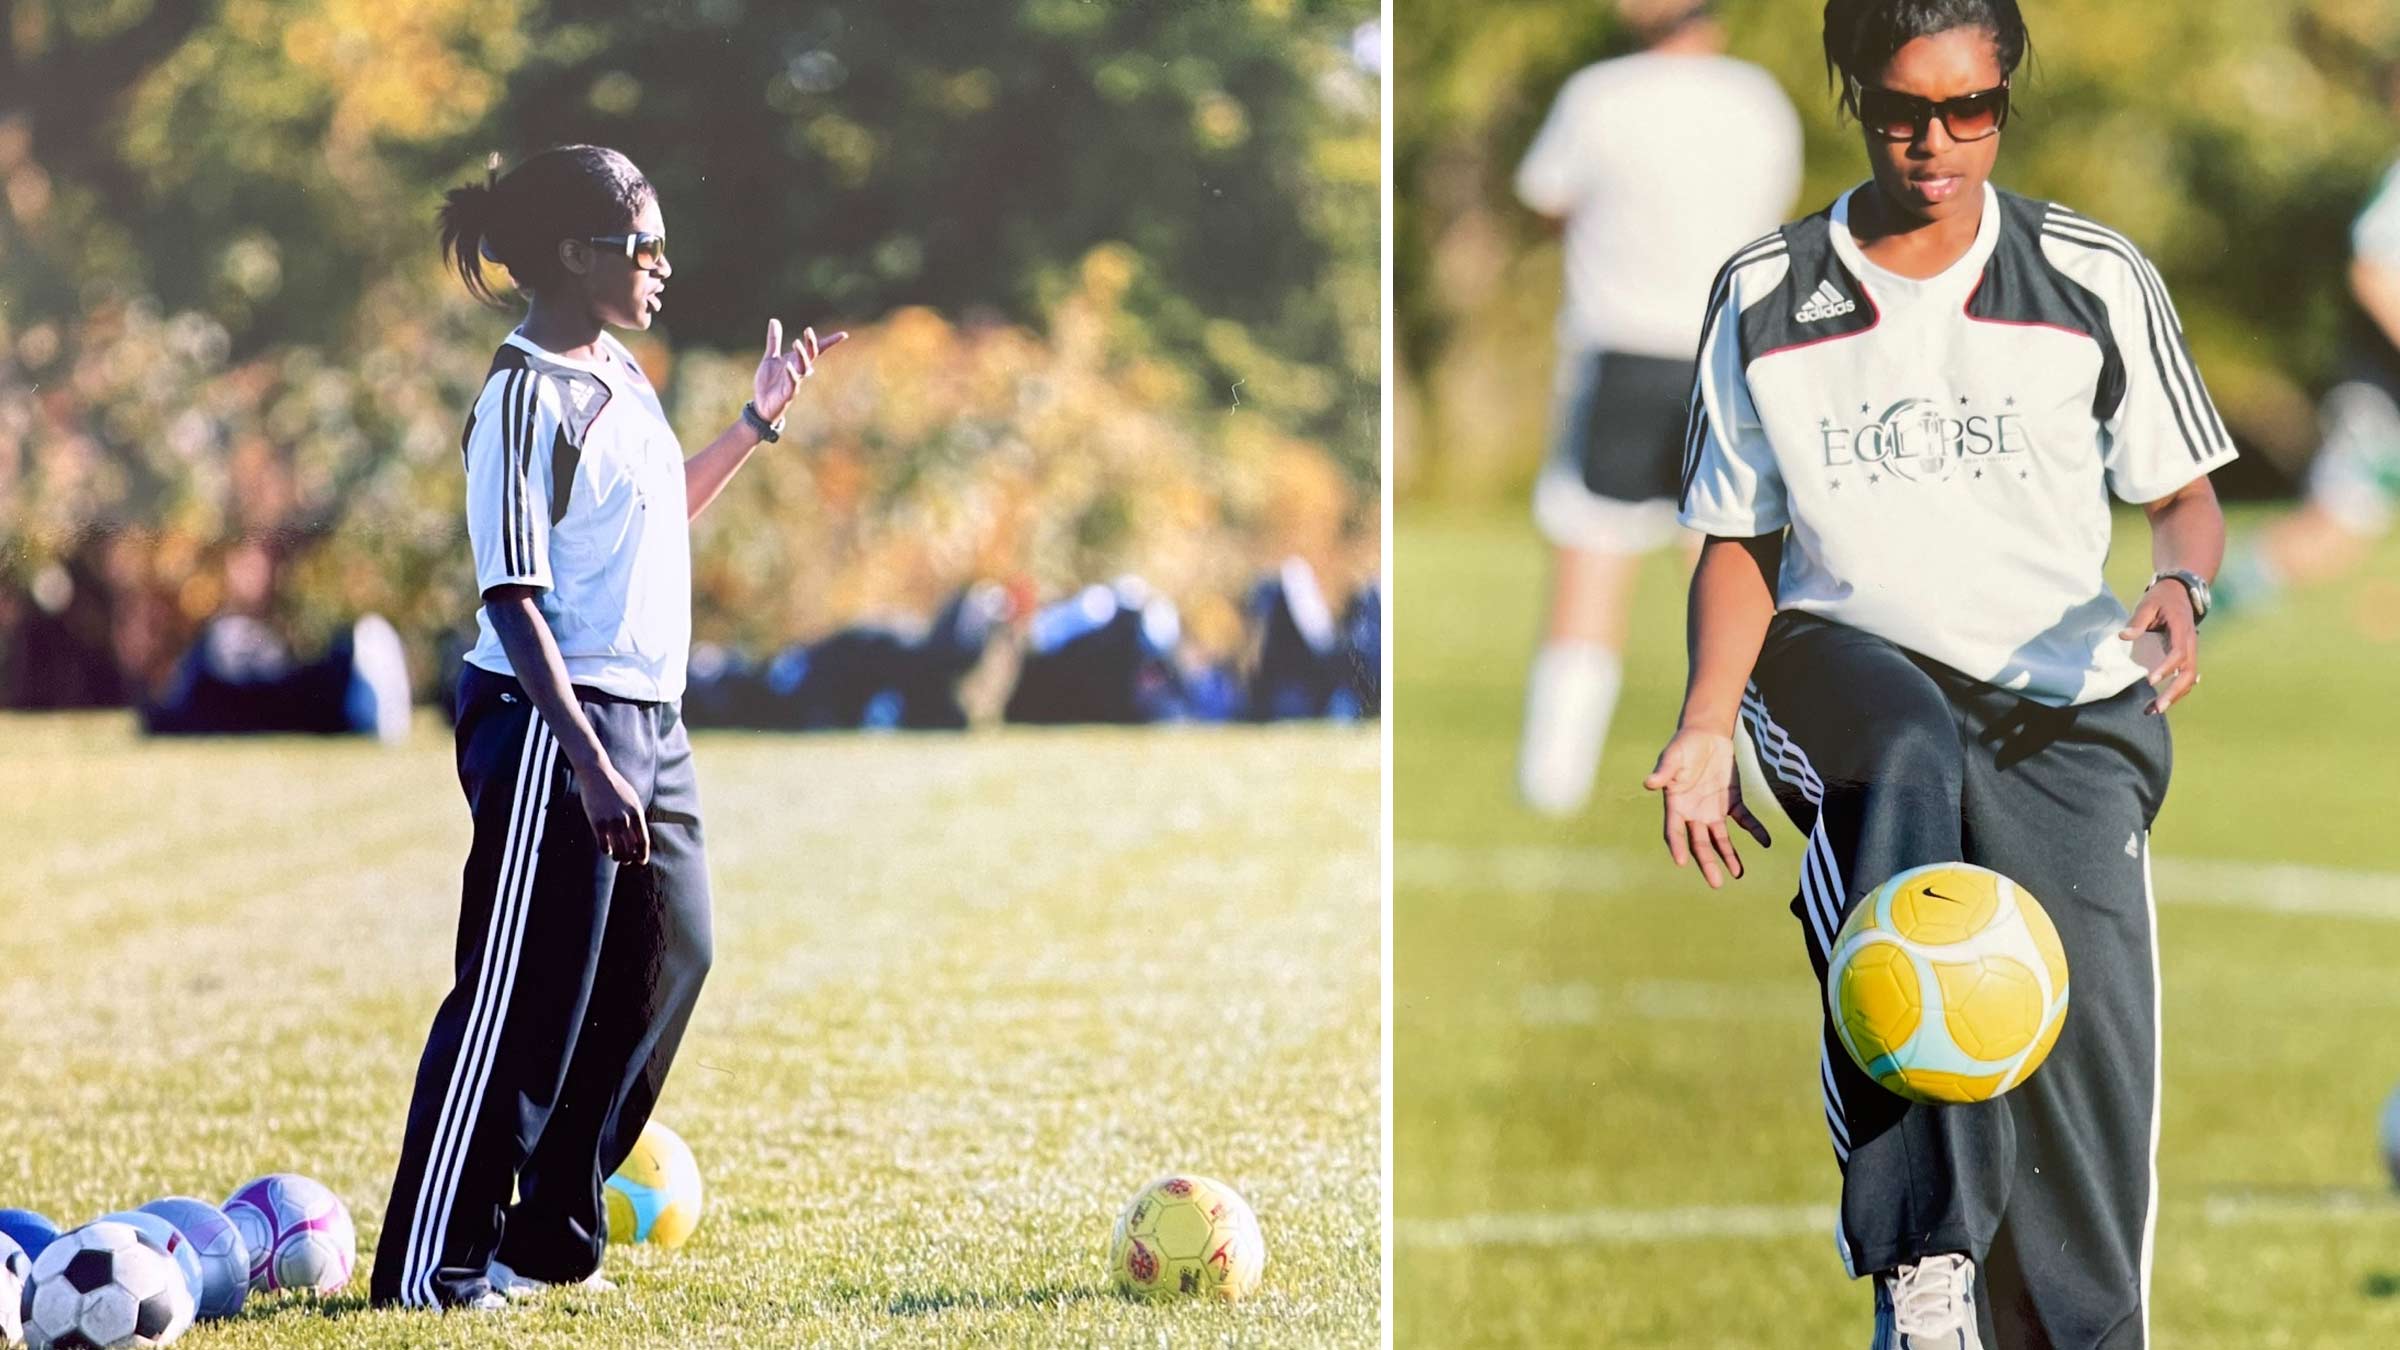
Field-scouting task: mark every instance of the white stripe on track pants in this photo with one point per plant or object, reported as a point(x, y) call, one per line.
point(575, 978)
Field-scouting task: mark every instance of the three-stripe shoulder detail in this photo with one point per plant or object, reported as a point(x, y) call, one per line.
point(519, 395)
point(1695, 424)
point(2204, 432)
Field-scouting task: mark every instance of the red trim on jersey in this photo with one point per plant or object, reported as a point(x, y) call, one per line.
point(1968, 309)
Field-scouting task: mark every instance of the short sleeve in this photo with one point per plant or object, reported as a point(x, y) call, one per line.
point(2375, 235)
point(1732, 485)
point(1550, 179)
point(2165, 431)
point(508, 482)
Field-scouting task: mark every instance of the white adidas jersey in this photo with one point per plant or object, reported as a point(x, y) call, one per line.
point(1942, 450)
point(575, 486)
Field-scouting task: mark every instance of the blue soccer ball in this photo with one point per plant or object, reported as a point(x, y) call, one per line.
point(224, 1256)
point(30, 1230)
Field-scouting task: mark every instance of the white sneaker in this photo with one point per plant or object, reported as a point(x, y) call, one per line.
point(514, 1285)
point(1927, 1306)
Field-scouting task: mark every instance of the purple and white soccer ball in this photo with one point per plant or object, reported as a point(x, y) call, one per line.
point(104, 1286)
point(298, 1234)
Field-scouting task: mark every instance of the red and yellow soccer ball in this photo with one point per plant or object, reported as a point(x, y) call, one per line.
point(1948, 984)
point(1185, 1236)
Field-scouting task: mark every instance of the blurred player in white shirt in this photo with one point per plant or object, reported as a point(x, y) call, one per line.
point(1656, 166)
point(2354, 482)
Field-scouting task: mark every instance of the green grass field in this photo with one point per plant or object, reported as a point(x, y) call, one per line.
point(970, 992)
point(1606, 1111)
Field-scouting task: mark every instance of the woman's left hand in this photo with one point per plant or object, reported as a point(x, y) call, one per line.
point(780, 372)
point(2166, 608)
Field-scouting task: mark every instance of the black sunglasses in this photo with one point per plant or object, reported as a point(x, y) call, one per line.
point(1905, 117)
point(647, 251)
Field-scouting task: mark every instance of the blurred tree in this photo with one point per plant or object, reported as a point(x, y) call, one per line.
point(2233, 141)
point(257, 160)
point(848, 157)
point(227, 351)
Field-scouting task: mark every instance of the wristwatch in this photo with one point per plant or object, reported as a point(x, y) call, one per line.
point(2192, 582)
point(767, 431)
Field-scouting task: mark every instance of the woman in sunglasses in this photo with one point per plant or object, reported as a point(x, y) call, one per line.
point(584, 930)
point(1910, 413)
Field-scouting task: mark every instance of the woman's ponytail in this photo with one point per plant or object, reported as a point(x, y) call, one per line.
point(466, 216)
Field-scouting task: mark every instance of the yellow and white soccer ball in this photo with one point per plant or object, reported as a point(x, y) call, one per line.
point(656, 1195)
point(1187, 1235)
point(1948, 984)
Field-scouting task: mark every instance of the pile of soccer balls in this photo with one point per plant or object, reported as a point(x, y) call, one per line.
point(140, 1277)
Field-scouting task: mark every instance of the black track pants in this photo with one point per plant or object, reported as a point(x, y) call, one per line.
point(1887, 761)
point(575, 978)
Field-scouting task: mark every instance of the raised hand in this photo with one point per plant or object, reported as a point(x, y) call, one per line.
point(780, 372)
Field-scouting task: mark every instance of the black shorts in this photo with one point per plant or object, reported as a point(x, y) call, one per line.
point(1620, 424)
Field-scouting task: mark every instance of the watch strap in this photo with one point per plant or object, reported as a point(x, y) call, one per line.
point(2193, 584)
point(767, 431)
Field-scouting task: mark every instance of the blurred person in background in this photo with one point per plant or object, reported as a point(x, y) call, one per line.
point(1297, 665)
point(2354, 481)
point(1914, 406)
point(1656, 165)
point(1104, 654)
point(894, 672)
point(238, 677)
point(532, 1090)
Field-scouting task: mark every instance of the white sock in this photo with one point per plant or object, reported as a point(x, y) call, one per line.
point(1568, 702)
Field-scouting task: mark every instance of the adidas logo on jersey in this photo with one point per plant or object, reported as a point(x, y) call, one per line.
point(1826, 303)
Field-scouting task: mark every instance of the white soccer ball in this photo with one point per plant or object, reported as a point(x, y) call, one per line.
point(15, 1268)
point(103, 1286)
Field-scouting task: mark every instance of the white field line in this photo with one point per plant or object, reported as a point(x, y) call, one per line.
point(2331, 1204)
point(1593, 1227)
point(1581, 1003)
point(1623, 1227)
point(2279, 888)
